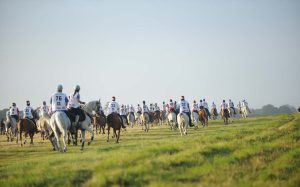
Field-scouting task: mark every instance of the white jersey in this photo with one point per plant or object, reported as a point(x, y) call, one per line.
point(123, 111)
point(151, 109)
point(113, 107)
point(171, 105)
point(145, 109)
point(195, 107)
point(13, 111)
point(44, 109)
point(205, 105)
point(213, 105)
point(131, 109)
point(74, 100)
point(8, 114)
point(157, 108)
point(28, 112)
point(201, 104)
point(224, 105)
point(59, 102)
point(244, 104)
point(184, 106)
point(139, 109)
point(164, 107)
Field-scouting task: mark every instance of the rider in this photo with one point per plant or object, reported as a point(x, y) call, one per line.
point(145, 108)
point(59, 100)
point(195, 107)
point(139, 109)
point(185, 108)
point(224, 106)
point(28, 114)
point(131, 110)
point(74, 105)
point(123, 113)
point(170, 106)
point(201, 105)
point(205, 105)
point(231, 105)
point(113, 107)
point(44, 109)
point(14, 112)
point(245, 104)
point(156, 108)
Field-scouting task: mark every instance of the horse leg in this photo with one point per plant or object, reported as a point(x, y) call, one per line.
point(108, 129)
point(31, 138)
point(83, 139)
point(92, 136)
point(65, 136)
point(57, 140)
point(118, 136)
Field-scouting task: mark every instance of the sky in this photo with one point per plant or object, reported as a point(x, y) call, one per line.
point(151, 50)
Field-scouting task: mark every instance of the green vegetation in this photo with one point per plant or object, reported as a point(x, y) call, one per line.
point(263, 151)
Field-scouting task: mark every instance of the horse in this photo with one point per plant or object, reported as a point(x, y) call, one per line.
point(2, 127)
point(99, 121)
point(225, 115)
point(28, 127)
point(203, 118)
point(43, 125)
point(156, 117)
point(115, 122)
point(214, 113)
point(231, 113)
point(131, 119)
point(245, 111)
point(172, 120)
point(145, 121)
point(60, 124)
point(10, 128)
point(137, 117)
point(183, 122)
point(195, 118)
point(163, 117)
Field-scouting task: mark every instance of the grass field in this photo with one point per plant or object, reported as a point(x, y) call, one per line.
point(263, 151)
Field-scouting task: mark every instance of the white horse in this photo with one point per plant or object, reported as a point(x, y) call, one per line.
point(131, 119)
point(172, 120)
point(183, 122)
point(231, 113)
point(43, 125)
point(138, 118)
point(145, 121)
point(195, 118)
point(10, 128)
point(245, 111)
point(60, 124)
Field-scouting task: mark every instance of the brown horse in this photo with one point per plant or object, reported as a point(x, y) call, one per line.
point(214, 113)
point(99, 122)
point(114, 121)
point(28, 127)
point(203, 118)
point(225, 115)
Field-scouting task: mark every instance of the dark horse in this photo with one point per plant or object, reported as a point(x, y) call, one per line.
point(99, 122)
point(2, 127)
point(114, 121)
point(225, 115)
point(28, 127)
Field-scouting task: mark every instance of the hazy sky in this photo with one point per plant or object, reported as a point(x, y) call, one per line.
point(153, 50)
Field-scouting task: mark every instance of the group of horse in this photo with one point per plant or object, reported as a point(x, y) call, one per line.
point(58, 127)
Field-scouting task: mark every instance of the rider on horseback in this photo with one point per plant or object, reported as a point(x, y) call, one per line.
point(231, 105)
point(145, 108)
point(185, 108)
point(74, 105)
point(14, 112)
point(123, 113)
point(195, 107)
point(224, 107)
point(170, 106)
point(201, 106)
point(139, 109)
point(113, 107)
point(44, 109)
point(205, 105)
point(28, 114)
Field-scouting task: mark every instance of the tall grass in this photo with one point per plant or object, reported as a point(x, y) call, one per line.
point(263, 151)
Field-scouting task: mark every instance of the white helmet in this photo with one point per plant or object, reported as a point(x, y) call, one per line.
point(77, 88)
point(59, 88)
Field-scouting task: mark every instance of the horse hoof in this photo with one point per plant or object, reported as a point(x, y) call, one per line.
point(89, 143)
point(107, 140)
point(65, 150)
